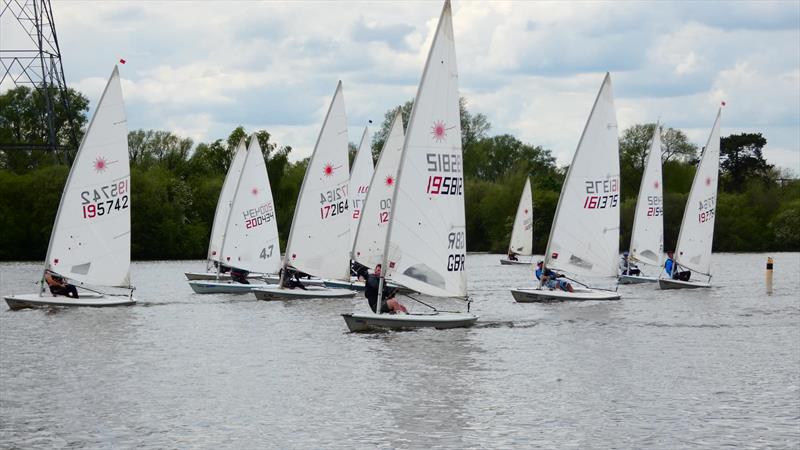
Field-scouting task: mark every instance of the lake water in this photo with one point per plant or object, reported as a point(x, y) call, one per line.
point(658, 369)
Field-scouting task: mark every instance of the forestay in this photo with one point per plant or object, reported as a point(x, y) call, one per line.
point(319, 241)
point(584, 238)
point(647, 238)
point(522, 235)
point(426, 242)
point(371, 232)
point(91, 238)
point(697, 229)
point(360, 177)
point(251, 233)
point(224, 203)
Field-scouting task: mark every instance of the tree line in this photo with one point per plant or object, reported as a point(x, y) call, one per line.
point(175, 184)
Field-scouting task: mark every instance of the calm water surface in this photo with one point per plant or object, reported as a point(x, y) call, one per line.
point(658, 369)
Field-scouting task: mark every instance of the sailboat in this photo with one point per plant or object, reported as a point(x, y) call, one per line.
point(425, 246)
point(360, 181)
point(360, 177)
point(647, 237)
point(522, 235)
point(696, 237)
point(90, 244)
point(370, 235)
point(221, 217)
point(584, 237)
point(250, 237)
point(319, 240)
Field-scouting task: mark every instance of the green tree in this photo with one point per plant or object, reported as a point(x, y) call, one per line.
point(742, 160)
point(22, 121)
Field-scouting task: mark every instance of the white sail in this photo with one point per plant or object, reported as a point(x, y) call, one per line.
point(360, 177)
point(647, 237)
point(251, 233)
point(522, 233)
point(224, 202)
point(319, 242)
point(426, 241)
point(697, 229)
point(91, 238)
point(371, 232)
point(584, 237)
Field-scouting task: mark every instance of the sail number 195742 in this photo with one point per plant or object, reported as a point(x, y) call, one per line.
point(104, 200)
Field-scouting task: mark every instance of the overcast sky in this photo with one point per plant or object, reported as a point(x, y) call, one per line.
point(533, 68)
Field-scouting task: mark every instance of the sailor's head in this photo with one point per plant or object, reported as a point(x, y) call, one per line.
point(669, 254)
point(539, 264)
point(625, 254)
point(378, 269)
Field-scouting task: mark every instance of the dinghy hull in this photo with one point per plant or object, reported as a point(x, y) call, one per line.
point(678, 284)
point(274, 293)
point(634, 279)
point(194, 276)
point(359, 322)
point(536, 295)
point(16, 302)
point(508, 262)
point(221, 287)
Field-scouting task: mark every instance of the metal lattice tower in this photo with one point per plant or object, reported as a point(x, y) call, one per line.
point(29, 55)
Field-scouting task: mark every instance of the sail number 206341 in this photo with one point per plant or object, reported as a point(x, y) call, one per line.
point(104, 200)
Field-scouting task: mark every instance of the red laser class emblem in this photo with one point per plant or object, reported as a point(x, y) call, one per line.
point(708, 181)
point(390, 181)
point(656, 184)
point(438, 131)
point(100, 164)
point(254, 191)
point(328, 170)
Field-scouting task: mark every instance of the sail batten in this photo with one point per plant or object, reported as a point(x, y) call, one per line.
point(584, 237)
point(90, 242)
point(425, 246)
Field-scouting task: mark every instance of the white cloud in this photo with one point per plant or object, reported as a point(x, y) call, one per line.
point(533, 68)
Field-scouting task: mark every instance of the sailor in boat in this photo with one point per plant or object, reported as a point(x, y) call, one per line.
point(674, 271)
point(551, 279)
point(388, 302)
point(512, 255)
point(292, 279)
point(239, 275)
point(359, 271)
point(222, 267)
point(59, 286)
point(626, 267)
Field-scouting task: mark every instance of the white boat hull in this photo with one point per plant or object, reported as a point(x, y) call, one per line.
point(191, 276)
point(91, 300)
point(352, 285)
point(222, 287)
point(272, 293)
point(508, 262)
point(536, 295)
point(678, 284)
point(440, 320)
point(636, 279)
